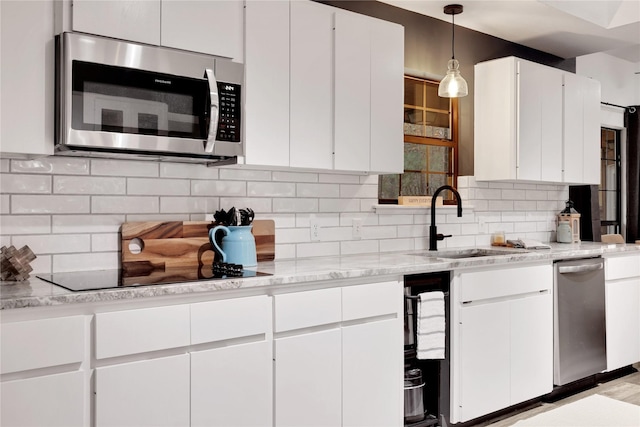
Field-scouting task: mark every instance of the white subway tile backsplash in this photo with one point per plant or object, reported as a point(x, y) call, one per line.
point(219, 188)
point(294, 176)
point(324, 220)
point(258, 204)
point(57, 243)
point(42, 264)
point(271, 189)
point(162, 187)
point(359, 247)
point(405, 231)
point(185, 170)
point(317, 190)
point(25, 224)
point(5, 240)
point(316, 249)
point(244, 174)
point(294, 205)
point(105, 242)
point(49, 204)
point(86, 223)
point(395, 219)
point(338, 179)
point(25, 184)
point(380, 232)
point(87, 261)
point(394, 245)
point(88, 185)
point(124, 168)
point(189, 205)
point(125, 204)
point(359, 191)
point(339, 205)
point(295, 235)
point(5, 205)
point(52, 165)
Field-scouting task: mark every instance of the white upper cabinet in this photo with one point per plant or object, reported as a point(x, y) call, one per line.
point(535, 123)
point(26, 78)
point(267, 77)
point(311, 70)
point(133, 20)
point(329, 94)
point(352, 92)
point(212, 27)
point(581, 130)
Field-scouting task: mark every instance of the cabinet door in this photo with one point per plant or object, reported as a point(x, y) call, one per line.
point(387, 97)
point(127, 19)
point(539, 122)
point(267, 83)
point(531, 323)
point(581, 130)
point(308, 380)
point(52, 400)
point(311, 85)
point(26, 78)
point(232, 386)
point(352, 92)
point(484, 378)
point(146, 393)
point(372, 374)
point(214, 27)
point(623, 327)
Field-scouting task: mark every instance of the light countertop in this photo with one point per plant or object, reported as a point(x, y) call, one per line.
point(37, 293)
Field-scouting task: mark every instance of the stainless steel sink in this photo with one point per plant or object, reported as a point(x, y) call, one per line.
point(471, 253)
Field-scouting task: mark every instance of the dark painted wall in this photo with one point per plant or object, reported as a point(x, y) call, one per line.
point(427, 48)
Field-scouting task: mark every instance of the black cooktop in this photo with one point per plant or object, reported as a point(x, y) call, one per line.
point(118, 278)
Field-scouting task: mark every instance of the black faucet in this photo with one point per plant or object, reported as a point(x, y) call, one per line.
point(433, 230)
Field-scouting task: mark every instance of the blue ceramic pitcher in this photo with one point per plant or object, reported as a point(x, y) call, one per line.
point(238, 244)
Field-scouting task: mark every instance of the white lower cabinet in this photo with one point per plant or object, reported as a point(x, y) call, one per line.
point(502, 339)
point(338, 356)
point(231, 386)
point(308, 379)
point(44, 381)
point(370, 374)
point(622, 295)
point(51, 400)
point(144, 393)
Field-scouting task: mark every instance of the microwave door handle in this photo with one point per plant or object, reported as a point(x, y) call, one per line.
point(213, 111)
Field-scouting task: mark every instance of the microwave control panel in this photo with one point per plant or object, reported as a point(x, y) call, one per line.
point(229, 112)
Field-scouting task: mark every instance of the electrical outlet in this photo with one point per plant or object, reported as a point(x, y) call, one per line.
point(482, 226)
point(357, 228)
point(314, 227)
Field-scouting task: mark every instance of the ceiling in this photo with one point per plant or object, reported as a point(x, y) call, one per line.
point(565, 28)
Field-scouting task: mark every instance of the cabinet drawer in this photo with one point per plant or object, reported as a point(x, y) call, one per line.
point(370, 300)
point(497, 283)
point(137, 331)
point(305, 309)
point(41, 343)
point(622, 267)
point(220, 320)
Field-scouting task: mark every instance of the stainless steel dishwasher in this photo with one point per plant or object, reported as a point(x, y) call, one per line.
point(579, 320)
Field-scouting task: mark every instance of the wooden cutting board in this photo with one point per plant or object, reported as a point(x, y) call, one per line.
point(158, 245)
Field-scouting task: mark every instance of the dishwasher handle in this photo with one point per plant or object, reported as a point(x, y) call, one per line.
point(579, 268)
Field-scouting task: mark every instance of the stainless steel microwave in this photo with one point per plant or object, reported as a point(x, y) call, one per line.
point(121, 99)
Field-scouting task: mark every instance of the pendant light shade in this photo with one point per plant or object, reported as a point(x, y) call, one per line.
point(453, 85)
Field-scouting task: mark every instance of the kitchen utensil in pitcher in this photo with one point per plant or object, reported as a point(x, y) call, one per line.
point(238, 245)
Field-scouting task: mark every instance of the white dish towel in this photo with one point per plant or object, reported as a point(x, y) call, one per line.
point(431, 325)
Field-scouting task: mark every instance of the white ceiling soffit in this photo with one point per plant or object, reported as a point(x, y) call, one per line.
point(565, 28)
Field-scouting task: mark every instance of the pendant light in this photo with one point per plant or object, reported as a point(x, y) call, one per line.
point(453, 85)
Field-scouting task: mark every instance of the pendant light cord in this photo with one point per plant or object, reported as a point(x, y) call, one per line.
point(453, 35)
